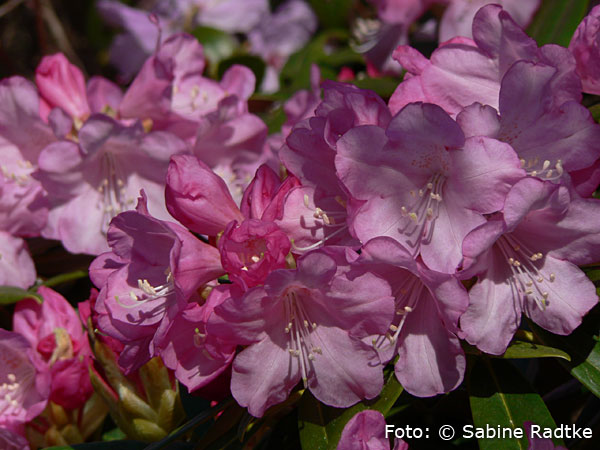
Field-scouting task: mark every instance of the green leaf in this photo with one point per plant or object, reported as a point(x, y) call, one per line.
point(556, 21)
point(321, 426)
point(296, 72)
point(254, 63)
point(65, 277)
point(113, 435)
point(384, 87)
point(500, 396)
point(332, 13)
point(595, 111)
point(13, 294)
point(217, 44)
point(583, 346)
point(521, 350)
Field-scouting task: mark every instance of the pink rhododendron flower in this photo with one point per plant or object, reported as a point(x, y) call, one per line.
point(23, 135)
point(315, 213)
point(526, 261)
point(550, 135)
point(458, 17)
point(250, 251)
point(460, 72)
point(306, 324)
point(153, 269)
point(91, 182)
point(25, 386)
point(422, 184)
point(425, 330)
point(198, 198)
point(280, 34)
point(585, 46)
point(141, 35)
point(366, 431)
point(54, 330)
point(16, 265)
point(197, 357)
point(171, 91)
point(62, 85)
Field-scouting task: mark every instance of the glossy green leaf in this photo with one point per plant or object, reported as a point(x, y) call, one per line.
point(13, 294)
point(65, 278)
point(217, 44)
point(521, 350)
point(321, 426)
point(584, 347)
point(501, 397)
point(296, 72)
point(556, 21)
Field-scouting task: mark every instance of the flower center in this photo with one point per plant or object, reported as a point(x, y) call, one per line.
point(526, 278)
point(19, 174)
point(330, 219)
point(299, 327)
point(112, 188)
point(151, 293)
point(8, 392)
point(406, 297)
point(547, 171)
point(420, 217)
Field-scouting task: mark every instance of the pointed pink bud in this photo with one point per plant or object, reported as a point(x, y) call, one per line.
point(198, 197)
point(257, 195)
point(61, 84)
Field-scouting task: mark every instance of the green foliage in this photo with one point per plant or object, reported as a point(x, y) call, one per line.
point(583, 346)
point(13, 294)
point(321, 426)
point(332, 13)
point(521, 350)
point(218, 45)
point(500, 396)
point(556, 21)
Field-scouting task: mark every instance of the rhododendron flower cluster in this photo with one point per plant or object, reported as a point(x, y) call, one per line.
point(354, 247)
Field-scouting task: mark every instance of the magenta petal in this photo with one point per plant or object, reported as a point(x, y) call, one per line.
point(346, 372)
point(16, 265)
point(264, 374)
point(483, 173)
point(431, 360)
point(365, 431)
point(494, 312)
point(185, 350)
point(479, 120)
point(198, 198)
point(571, 296)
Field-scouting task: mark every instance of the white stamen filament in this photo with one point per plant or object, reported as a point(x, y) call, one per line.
point(150, 292)
point(526, 278)
point(548, 171)
point(300, 330)
point(112, 188)
point(422, 214)
point(408, 295)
